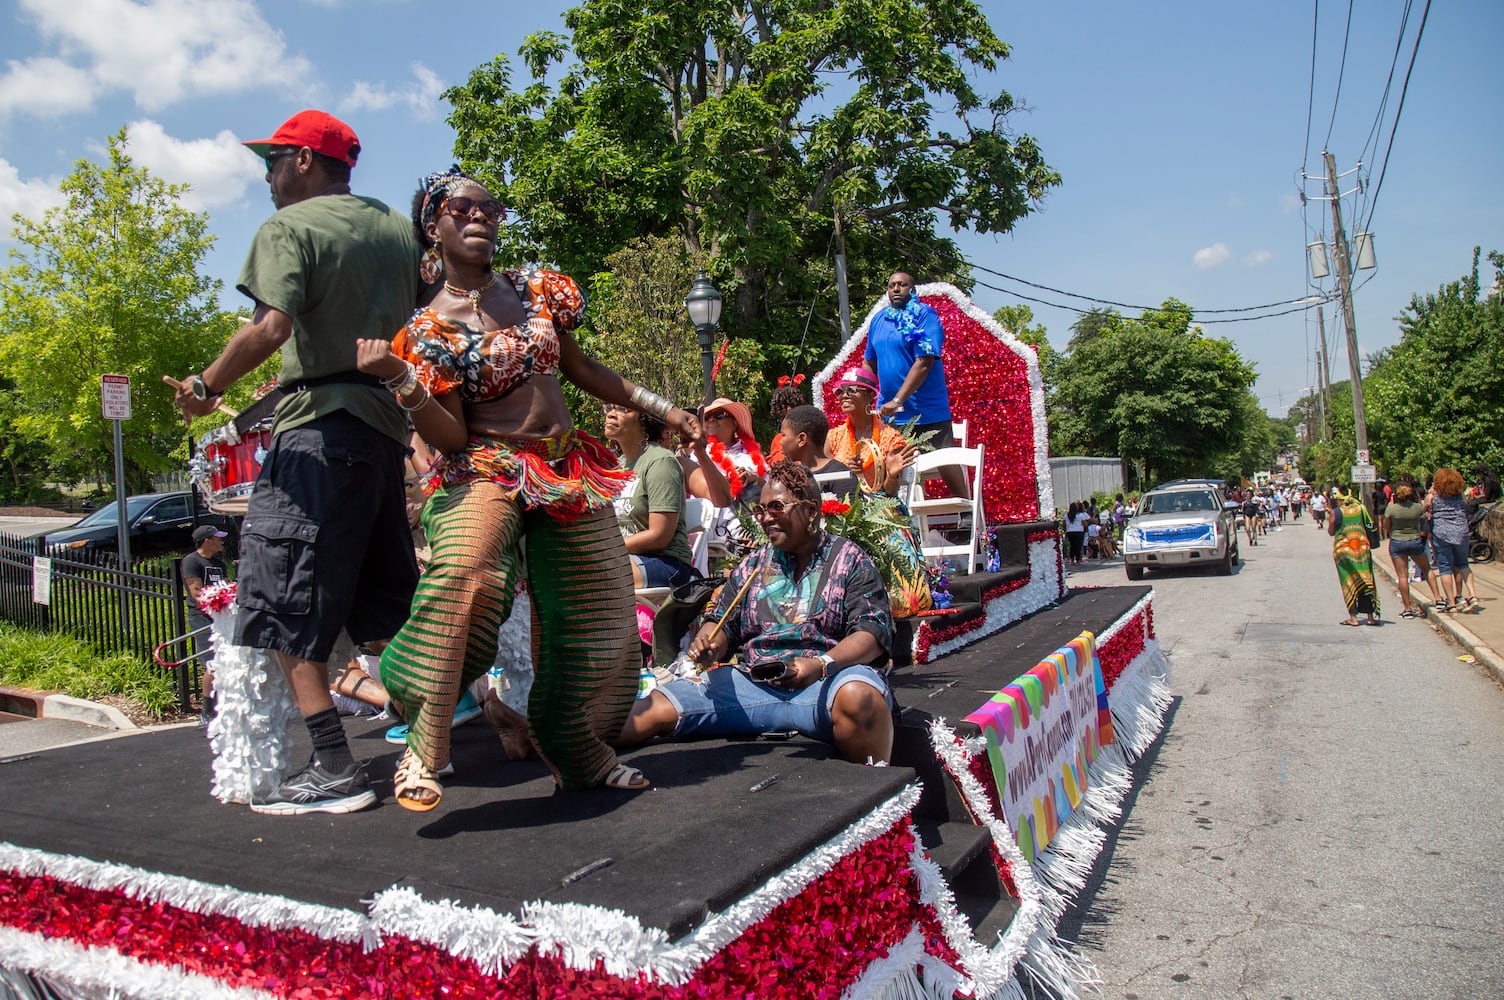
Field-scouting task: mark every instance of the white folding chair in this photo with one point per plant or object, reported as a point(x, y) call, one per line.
point(698, 514)
point(958, 431)
point(925, 508)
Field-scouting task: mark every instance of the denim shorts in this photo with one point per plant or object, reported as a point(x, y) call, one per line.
point(1448, 557)
point(663, 571)
point(1408, 548)
point(726, 702)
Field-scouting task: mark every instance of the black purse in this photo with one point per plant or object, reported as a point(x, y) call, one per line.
point(1374, 538)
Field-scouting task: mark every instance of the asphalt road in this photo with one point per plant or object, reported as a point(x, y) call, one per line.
point(1323, 816)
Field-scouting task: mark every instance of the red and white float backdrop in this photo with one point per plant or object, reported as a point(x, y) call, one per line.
point(996, 387)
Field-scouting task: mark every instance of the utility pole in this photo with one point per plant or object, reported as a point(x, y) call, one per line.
point(843, 299)
point(1323, 377)
point(1345, 289)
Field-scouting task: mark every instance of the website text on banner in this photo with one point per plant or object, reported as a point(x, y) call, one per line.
point(1043, 732)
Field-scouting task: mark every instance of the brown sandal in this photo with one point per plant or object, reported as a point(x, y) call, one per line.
point(338, 687)
point(510, 725)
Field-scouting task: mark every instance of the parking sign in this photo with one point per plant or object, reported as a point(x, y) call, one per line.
point(115, 396)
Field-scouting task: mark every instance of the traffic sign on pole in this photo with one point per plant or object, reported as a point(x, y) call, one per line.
point(115, 396)
point(1362, 456)
point(1365, 474)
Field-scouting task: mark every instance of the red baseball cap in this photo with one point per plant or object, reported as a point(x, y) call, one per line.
point(318, 130)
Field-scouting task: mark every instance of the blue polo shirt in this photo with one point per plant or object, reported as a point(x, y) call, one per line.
point(893, 354)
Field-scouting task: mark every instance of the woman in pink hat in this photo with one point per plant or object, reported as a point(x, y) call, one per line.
point(733, 448)
point(869, 446)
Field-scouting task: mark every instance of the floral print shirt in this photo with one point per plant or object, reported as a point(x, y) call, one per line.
point(449, 355)
point(783, 616)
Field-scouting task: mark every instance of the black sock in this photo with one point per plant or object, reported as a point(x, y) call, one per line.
point(329, 747)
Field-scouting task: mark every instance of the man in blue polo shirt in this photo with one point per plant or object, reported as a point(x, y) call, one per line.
point(904, 344)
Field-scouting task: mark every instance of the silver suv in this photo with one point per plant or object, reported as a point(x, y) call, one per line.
point(1183, 523)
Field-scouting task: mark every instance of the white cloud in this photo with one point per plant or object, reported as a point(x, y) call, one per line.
point(218, 170)
point(45, 87)
point(421, 95)
point(1258, 257)
point(1213, 256)
point(30, 198)
point(160, 51)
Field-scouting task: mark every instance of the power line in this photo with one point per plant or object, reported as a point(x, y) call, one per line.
point(1398, 110)
point(1337, 98)
point(1307, 303)
point(1305, 153)
point(1123, 305)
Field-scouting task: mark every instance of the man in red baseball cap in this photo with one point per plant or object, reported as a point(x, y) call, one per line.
point(325, 545)
point(318, 130)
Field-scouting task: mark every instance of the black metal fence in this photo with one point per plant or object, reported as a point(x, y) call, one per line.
point(112, 608)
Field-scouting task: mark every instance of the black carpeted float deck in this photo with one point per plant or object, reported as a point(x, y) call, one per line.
point(699, 841)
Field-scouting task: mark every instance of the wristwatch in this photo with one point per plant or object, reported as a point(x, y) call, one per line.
point(200, 388)
point(826, 662)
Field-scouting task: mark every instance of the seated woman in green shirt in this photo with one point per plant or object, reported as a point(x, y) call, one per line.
point(1404, 524)
point(650, 508)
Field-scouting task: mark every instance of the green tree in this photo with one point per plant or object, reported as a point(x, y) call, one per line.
point(638, 322)
point(108, 282)
point(1154, 391)
point(1433, 398)
point(743, 129)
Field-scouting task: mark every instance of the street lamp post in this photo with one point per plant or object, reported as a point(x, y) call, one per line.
point(703, 303)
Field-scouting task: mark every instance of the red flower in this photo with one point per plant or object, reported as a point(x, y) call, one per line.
point(834, 507)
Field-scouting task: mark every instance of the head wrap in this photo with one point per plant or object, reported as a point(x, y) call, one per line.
point(436, 190)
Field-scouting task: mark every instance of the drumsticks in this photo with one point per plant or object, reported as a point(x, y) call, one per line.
point(232, 414)
point(710, 639)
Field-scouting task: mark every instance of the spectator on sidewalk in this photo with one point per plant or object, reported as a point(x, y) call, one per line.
point(1404, 523)
point(1449, 541)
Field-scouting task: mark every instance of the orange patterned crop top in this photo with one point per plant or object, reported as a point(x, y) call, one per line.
point(451, 356)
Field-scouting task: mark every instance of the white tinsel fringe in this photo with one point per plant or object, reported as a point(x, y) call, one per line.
point(106, 973)
point(493, 941)
point(1139, 699)
point(251, 908)
point(1042, 590)
point(894, 976)
point(1143, 604)
point(253, 707)
point(580, 934)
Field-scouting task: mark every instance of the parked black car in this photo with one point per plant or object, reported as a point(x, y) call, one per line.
point(158, 523)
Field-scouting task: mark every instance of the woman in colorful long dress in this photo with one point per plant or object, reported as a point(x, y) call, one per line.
point(479, 370)
point(1348, 525)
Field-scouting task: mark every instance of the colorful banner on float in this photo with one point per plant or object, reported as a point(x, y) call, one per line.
point(1043, 731)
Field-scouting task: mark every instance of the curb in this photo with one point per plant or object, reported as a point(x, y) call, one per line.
point(51, 705)
point(62, 706)
point(1481, 651)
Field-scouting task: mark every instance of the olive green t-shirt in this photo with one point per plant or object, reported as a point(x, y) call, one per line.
point(344, 268)
point(659, 489)
point(1404, 520)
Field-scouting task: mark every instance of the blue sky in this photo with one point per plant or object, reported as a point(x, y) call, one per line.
point(1179, 129)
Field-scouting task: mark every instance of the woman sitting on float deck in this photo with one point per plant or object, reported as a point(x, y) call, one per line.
point(478, 369)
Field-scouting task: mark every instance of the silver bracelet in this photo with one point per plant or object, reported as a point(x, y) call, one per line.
point(420, 403)
point(402, 383)
point(650, 402)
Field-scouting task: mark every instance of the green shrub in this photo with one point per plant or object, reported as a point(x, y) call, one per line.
point(45, 661)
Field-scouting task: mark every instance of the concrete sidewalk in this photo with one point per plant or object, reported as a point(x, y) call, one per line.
point(1480, 631)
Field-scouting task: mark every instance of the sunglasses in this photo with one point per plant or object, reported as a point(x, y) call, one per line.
point(610, 408)
point(273, 155)
point(850, 390)
point(775, 508)
point(464, 208)
point(722, 415)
